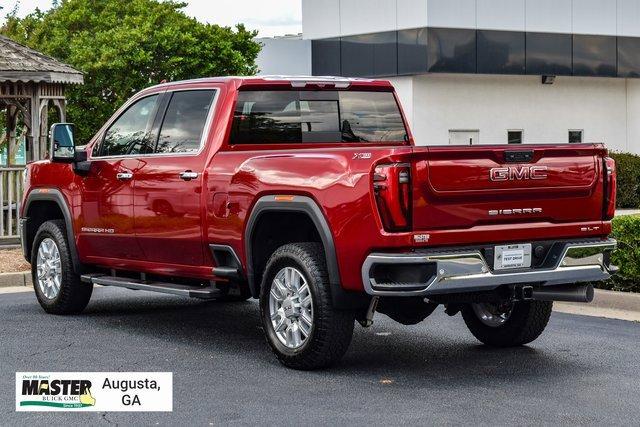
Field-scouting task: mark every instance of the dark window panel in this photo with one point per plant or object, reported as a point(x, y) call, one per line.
point(514, 137)
point(451, 50)
point(370, 55)
point(500, 52)
point(628, 56)
point(412, 51)
point(594, 55)
point(325, 57)
point(575, 136)
point(549, 54)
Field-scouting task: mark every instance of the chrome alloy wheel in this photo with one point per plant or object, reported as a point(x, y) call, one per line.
point(493, 315)
point(291, 307)
point(48, 267)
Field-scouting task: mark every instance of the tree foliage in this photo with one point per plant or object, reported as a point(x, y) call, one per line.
point(123, 46)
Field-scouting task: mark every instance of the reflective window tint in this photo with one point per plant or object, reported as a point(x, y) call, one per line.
point(628, 56)
point(130, 133)
point(263, 117)
point(549, 54)
point(514, 137)
point(575, 136)
point(594, 55)
point(184, 121)
point(412, 51)
point(451, 50)
point(370, 55)
point(325, 57)
point(500, 52)
point(370, 116)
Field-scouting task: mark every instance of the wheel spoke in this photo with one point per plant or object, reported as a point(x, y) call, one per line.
point(295, 334)
point(305, 323)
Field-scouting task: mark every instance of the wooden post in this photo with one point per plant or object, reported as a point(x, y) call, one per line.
point(34, 107)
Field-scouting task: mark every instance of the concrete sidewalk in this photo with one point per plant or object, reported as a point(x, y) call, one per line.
point(608, 304)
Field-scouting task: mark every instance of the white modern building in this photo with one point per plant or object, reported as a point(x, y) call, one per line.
point(484, 71)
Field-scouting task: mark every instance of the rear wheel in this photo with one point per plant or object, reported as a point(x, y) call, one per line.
point(507, 324)
point(302, 327)
point(58, 289)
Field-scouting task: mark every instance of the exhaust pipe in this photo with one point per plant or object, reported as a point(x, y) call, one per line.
point(568, 293)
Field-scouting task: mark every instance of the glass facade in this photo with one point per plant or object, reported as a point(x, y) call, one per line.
point(451, 50)
point(370, 55)
point(325, 57)
point(412, 51)
point(548, 54)
point(454, 50)
point(500, 52)
point(594, 56)
point(628, 56)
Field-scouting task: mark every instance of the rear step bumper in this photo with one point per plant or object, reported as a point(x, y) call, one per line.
point(166, 288)
point(459, 272)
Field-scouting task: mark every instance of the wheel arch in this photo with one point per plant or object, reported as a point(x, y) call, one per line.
point(37, 200)
point(302, 205)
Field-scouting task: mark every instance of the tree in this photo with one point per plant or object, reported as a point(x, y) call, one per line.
point(123, 46)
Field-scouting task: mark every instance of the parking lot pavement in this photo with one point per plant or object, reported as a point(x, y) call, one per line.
point(583, 370)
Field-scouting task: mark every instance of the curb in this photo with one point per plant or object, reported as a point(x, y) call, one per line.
point(22, 278)
point(609, 304)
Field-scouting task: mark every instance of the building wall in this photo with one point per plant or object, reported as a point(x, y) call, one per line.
point(284, 55)
point(606, 109)
point(334, 18)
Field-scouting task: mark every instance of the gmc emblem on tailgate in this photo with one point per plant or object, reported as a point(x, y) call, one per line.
point(513, 173)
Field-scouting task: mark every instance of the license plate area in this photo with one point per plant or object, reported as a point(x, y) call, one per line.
point(508, 257)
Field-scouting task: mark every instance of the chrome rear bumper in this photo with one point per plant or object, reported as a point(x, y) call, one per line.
point(457, 272)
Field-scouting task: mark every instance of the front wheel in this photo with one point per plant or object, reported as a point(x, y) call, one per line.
point(58, 288)
point(507, 324)
point(302, 327)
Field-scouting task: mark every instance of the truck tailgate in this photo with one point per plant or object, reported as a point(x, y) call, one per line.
point(462, 187)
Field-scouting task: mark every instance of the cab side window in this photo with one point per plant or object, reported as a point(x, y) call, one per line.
point(130, 134)
point(184, 121)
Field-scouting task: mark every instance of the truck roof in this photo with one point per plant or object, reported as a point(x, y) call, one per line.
point(328, 82)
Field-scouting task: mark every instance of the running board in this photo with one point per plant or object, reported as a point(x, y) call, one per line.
point(166, 288)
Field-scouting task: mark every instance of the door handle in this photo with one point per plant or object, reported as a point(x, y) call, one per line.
point(124, 176)
point(188, 175)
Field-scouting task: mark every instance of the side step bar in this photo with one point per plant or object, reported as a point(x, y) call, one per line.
point(140, 285)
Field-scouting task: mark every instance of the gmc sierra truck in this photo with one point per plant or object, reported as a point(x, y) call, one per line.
point(310, 195)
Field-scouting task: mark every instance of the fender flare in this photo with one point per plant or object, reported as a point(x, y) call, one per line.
point(54, 195)
point(309, 207)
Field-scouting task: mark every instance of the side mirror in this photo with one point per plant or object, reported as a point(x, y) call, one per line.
point(62, 144)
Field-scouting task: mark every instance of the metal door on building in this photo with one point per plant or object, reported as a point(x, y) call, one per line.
point(464, 137)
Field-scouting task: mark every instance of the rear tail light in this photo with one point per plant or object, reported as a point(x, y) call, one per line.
point(392, 189)
point(610, 186)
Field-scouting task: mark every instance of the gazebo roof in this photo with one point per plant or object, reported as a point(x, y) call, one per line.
point(19, 63)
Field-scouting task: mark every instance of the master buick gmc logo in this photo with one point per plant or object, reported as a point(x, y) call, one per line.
point(518, 173)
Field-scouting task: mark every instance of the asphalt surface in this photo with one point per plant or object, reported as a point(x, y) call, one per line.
point(582, 370)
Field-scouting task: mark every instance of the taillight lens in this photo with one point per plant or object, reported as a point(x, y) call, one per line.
point(610, 187)
point(392, 188)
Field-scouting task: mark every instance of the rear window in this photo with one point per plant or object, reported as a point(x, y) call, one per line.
point(276, 117)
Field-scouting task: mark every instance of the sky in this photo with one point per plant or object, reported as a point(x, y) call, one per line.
point(269, 17)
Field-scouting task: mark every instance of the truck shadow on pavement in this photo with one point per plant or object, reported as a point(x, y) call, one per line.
point(439, 349)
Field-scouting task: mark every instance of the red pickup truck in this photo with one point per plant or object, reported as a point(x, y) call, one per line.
point(310, 195)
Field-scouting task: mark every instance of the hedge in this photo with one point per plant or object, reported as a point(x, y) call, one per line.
point(628, 174)
point(626, 229)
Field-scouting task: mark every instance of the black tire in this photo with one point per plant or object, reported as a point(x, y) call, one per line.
point(74, 295)
point(527, 321)
point(332, 329)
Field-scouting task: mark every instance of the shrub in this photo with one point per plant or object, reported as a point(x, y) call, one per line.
point(628, 173)
point(626, 229)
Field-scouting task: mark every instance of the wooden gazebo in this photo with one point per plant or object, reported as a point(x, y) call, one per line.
point(30, 85)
